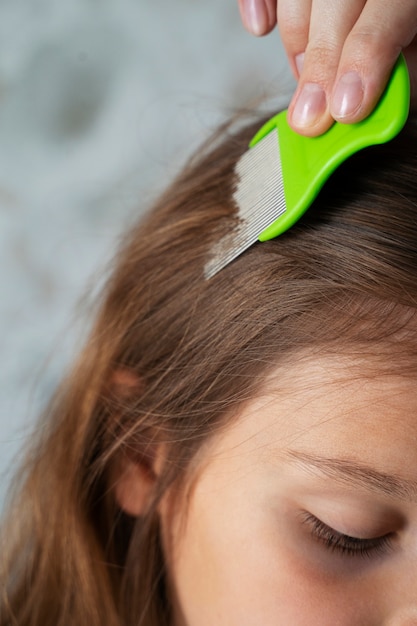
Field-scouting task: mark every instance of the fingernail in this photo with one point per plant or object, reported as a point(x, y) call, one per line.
point(256, 16)
point(299, 62)
point(310, 105)
point(348, 95)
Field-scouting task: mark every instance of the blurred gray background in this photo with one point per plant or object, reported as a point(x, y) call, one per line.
point(101, 101)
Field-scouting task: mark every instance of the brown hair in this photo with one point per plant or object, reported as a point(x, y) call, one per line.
point(342, 278)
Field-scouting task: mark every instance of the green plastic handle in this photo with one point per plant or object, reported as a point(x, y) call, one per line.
point(307, 162)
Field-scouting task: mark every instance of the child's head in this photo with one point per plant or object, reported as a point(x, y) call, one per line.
point(214, 432)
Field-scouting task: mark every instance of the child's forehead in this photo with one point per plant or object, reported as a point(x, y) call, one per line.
point(342, 404)
point(393, 360)
point(315, 436)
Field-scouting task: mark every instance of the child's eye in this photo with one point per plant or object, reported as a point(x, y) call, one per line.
point(345, 544)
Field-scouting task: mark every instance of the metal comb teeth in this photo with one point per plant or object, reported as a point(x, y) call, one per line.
point(259, 197)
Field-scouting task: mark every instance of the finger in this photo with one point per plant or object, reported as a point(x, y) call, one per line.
point(293, 22)
point(258, 16)
point(368, 55)
point(330, 24)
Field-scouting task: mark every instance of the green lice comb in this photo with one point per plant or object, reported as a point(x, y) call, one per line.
point(282, 172)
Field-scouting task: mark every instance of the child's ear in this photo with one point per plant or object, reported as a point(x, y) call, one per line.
point(136, 471)
point(134, 482)
point(123, 383)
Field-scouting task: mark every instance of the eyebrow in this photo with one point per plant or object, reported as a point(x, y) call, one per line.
point(355, 473)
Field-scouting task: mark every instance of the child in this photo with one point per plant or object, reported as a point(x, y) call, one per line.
point(239, 451)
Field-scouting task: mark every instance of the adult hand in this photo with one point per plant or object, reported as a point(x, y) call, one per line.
point(341, 51)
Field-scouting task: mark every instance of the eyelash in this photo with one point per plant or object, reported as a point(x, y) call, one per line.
point(345, 544)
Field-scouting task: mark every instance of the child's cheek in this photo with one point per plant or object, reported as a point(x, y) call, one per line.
point(233, 567)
